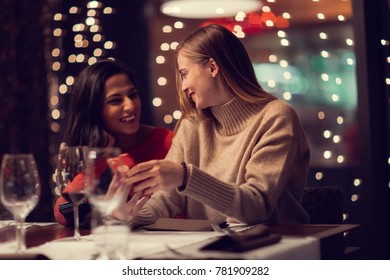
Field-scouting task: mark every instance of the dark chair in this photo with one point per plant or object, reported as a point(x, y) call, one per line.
point(324, 204)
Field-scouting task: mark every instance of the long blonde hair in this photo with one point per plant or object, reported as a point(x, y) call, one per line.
point(237, 73)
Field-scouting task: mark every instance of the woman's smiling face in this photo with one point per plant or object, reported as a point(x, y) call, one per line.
point(197, 82)
point(202, 83)
point(121, 106)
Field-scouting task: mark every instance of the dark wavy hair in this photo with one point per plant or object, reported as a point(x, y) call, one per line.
point(85, 126)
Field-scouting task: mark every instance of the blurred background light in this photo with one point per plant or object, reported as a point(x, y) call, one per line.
point(208, 8)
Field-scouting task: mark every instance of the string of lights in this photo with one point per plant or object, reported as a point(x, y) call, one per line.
point(79, 40)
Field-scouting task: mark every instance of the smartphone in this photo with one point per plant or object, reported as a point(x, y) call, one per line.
point(123, 163)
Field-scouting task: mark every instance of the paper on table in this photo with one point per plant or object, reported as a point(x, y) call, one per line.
point(168, 224)
point(143, 244)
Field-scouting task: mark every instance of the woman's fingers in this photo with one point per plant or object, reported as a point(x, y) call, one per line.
point(140, 204)
point(130, 210)
point(113, 186)
point(141, 168)
point(118, 184)
point(146, 178)
point(127, 211)
point(155, 175)
point(144, 185)
point(134, 199)
point(143, 179)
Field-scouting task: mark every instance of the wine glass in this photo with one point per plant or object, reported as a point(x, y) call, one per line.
point(102, 164)
point(71, 164)
point(20, 190)
point(104, 192)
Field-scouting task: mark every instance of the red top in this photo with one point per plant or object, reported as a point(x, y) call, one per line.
point(155, 146)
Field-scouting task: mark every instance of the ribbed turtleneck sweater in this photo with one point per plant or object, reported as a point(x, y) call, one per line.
point(249, 164)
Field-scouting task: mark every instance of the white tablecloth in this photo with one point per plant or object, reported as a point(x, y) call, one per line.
point(180, 245)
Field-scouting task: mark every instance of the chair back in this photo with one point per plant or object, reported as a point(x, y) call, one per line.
point(324, 204)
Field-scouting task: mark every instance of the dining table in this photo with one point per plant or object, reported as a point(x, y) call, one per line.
point(50, 240)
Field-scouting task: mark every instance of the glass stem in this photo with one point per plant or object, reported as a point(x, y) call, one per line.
point(20, 235)
point(76, 235)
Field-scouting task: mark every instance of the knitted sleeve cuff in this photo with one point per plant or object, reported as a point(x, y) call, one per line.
point(185, 177)
point(207, 189)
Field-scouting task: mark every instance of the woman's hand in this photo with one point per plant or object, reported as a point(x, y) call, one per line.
point(128, 210)
point(155, 175)
point(118, 187)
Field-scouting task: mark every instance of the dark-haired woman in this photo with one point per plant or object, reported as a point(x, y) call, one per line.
point(104, 110)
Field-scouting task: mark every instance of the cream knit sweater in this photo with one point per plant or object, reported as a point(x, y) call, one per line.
point(248, 165)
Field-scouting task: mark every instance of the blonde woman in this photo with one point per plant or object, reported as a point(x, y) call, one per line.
point(239, 153)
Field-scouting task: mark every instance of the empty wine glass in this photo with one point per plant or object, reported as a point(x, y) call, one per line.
point(102, 164)
point(20, 190)
point(71, 164)
point(104, 192)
